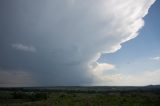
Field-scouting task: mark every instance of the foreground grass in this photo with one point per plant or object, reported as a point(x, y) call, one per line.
point(79, 99)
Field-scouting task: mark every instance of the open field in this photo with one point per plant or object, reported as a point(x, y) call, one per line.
point(80, 96)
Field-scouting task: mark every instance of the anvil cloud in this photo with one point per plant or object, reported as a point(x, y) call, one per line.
point(69, 37)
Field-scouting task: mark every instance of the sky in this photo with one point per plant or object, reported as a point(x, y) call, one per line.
point(141, 54)
point(79, 43)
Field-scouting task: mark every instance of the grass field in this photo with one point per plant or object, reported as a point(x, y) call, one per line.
point(79, 98)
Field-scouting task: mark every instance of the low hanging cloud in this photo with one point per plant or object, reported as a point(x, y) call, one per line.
point(70, 36)
point(22, 47)
point(157, 58)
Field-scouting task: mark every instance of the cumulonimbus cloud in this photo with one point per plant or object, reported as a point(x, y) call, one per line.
point(71, 35)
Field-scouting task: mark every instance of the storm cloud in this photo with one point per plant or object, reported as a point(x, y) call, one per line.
point(65, 38)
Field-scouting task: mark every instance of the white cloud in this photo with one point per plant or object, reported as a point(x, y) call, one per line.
point(22, 47)
point(142, 79)
point(102, 76)
point(99, 69)
point(157, 58)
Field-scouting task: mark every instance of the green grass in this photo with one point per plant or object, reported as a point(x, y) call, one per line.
point(79, 99)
